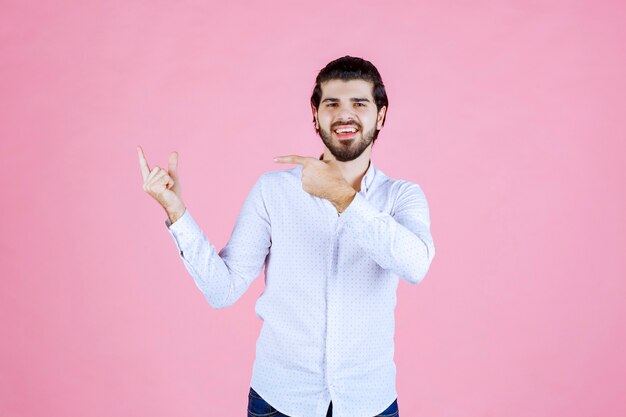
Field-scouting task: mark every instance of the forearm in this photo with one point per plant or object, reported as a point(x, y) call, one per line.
point(223, 277)
point(208, 270)
point(175, 213)
point(406, 249)
point(343, 199)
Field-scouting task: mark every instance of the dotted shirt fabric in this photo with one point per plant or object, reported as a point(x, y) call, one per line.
point(330, 286)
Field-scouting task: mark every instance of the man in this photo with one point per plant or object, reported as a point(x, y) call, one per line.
point(335, 234)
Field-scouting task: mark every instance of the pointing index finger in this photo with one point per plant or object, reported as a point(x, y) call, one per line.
point(292, 159)
point(143, 164)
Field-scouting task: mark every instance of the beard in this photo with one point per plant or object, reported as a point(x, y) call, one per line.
point(348, 150)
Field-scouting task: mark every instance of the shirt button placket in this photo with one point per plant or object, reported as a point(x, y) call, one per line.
point(331, 312)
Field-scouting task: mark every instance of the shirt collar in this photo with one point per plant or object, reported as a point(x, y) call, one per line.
point(368, 178)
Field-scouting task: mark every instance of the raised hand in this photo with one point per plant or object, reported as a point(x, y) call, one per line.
point(323, 179)
point(163, 186)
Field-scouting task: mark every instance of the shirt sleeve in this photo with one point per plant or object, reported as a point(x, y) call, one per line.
point(400, 241)
point(223, 277)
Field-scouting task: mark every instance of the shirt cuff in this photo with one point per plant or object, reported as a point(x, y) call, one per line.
point(182, 219)
point(183, 229)
point(358, 214)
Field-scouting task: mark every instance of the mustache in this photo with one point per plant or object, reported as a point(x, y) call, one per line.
point(346, 123)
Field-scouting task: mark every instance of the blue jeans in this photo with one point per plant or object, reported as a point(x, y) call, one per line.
point(258, 407)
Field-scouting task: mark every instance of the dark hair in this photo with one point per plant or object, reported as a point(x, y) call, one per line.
point(351, 68)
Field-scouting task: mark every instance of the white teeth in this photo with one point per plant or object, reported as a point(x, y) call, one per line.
point(343, 130)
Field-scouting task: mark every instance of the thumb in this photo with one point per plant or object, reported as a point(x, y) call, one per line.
point(172, 165)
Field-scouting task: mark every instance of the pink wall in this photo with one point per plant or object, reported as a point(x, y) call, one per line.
point(510, 115)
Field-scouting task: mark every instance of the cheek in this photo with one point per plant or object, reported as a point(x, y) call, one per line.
point(324, 120)
point(369, 120)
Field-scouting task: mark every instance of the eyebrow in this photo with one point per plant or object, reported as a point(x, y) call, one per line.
point(353, 99)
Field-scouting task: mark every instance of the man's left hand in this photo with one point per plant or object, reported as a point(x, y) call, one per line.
point(322, 179)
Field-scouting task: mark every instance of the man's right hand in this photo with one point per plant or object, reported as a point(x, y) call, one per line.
point(163, 186)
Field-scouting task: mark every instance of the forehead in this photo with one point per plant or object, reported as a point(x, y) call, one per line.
point(350, 88)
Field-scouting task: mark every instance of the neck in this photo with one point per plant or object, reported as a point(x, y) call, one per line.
point(352, 171)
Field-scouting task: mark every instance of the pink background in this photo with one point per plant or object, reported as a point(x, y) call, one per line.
point(510, 115)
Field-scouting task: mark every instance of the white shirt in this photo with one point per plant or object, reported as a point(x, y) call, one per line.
point(330, 286)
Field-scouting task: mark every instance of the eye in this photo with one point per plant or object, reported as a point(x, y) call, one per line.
point(331, 104)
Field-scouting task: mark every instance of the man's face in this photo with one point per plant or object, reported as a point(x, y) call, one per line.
point(347, 119)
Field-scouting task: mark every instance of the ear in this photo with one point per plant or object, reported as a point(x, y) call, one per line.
point(317, 122)
point(380, 117)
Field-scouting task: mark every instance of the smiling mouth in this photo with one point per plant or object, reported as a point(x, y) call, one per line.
point(346, 132)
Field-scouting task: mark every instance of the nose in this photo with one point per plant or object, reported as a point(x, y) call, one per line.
point(345, 112)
